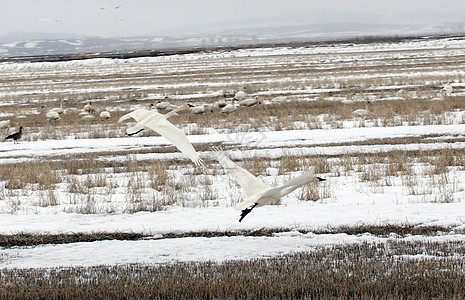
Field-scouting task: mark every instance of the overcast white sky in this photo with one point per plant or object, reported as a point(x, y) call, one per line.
point(144, 17)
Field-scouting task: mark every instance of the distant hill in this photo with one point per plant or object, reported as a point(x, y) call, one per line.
point(19, 44)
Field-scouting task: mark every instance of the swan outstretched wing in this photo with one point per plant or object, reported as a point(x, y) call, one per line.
point(170, 132)
point(247, 181)
point(138, 115)
point(295, 183)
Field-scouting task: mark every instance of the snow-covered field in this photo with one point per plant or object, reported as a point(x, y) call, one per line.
point(103, 181)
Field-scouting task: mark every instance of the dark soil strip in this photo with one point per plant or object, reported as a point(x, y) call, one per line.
point(25, 239)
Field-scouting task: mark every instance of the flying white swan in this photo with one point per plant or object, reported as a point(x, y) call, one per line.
point(257, 192)
point(159, 123)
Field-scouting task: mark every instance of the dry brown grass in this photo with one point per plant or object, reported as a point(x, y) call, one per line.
point(368, 270)
point(302, 75)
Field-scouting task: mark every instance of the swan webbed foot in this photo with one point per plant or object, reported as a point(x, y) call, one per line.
point(246, 211)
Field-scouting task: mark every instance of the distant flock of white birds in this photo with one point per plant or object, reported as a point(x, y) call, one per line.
point(445, 91)
point(257, 193)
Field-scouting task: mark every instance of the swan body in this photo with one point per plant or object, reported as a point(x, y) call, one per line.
point(362, 112)
point(104, 115)
point(250, 102)
point(347, 101)
point(52, 116)
point(442, 96)
point(5, 124)
point(401, 93)
point(279, 99)
point(171, 107)
point(198, 110)
point(257, 192)
point(240, 95)
point(162, 105)
point(88, 108)
point(58, 110)
point(222, 103)
point(228, 108)
point(447, 88)
point(87, 117)
point(159, 123)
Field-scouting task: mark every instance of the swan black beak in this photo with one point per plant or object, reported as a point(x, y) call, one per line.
point(320, 179)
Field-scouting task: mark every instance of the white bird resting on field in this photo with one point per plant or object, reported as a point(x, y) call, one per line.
point(279, 99)
point(198, 110)
point(402, 94)
point(88, 108)
point(448, 89)
point(105, 115)
point(241, 94)
point(221, 103)
point(5, 124)
point(60, 109)
point(257, 192)
point(87, 117)
point(250, 101)
point(229, 108)
point(348, 99)
point(162, 105)
point(362, 112)
point(51, 115)
point(442, 96)
point(158, 122)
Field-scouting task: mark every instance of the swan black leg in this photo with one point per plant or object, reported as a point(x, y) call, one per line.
point(130, 134)
point(246, 211)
